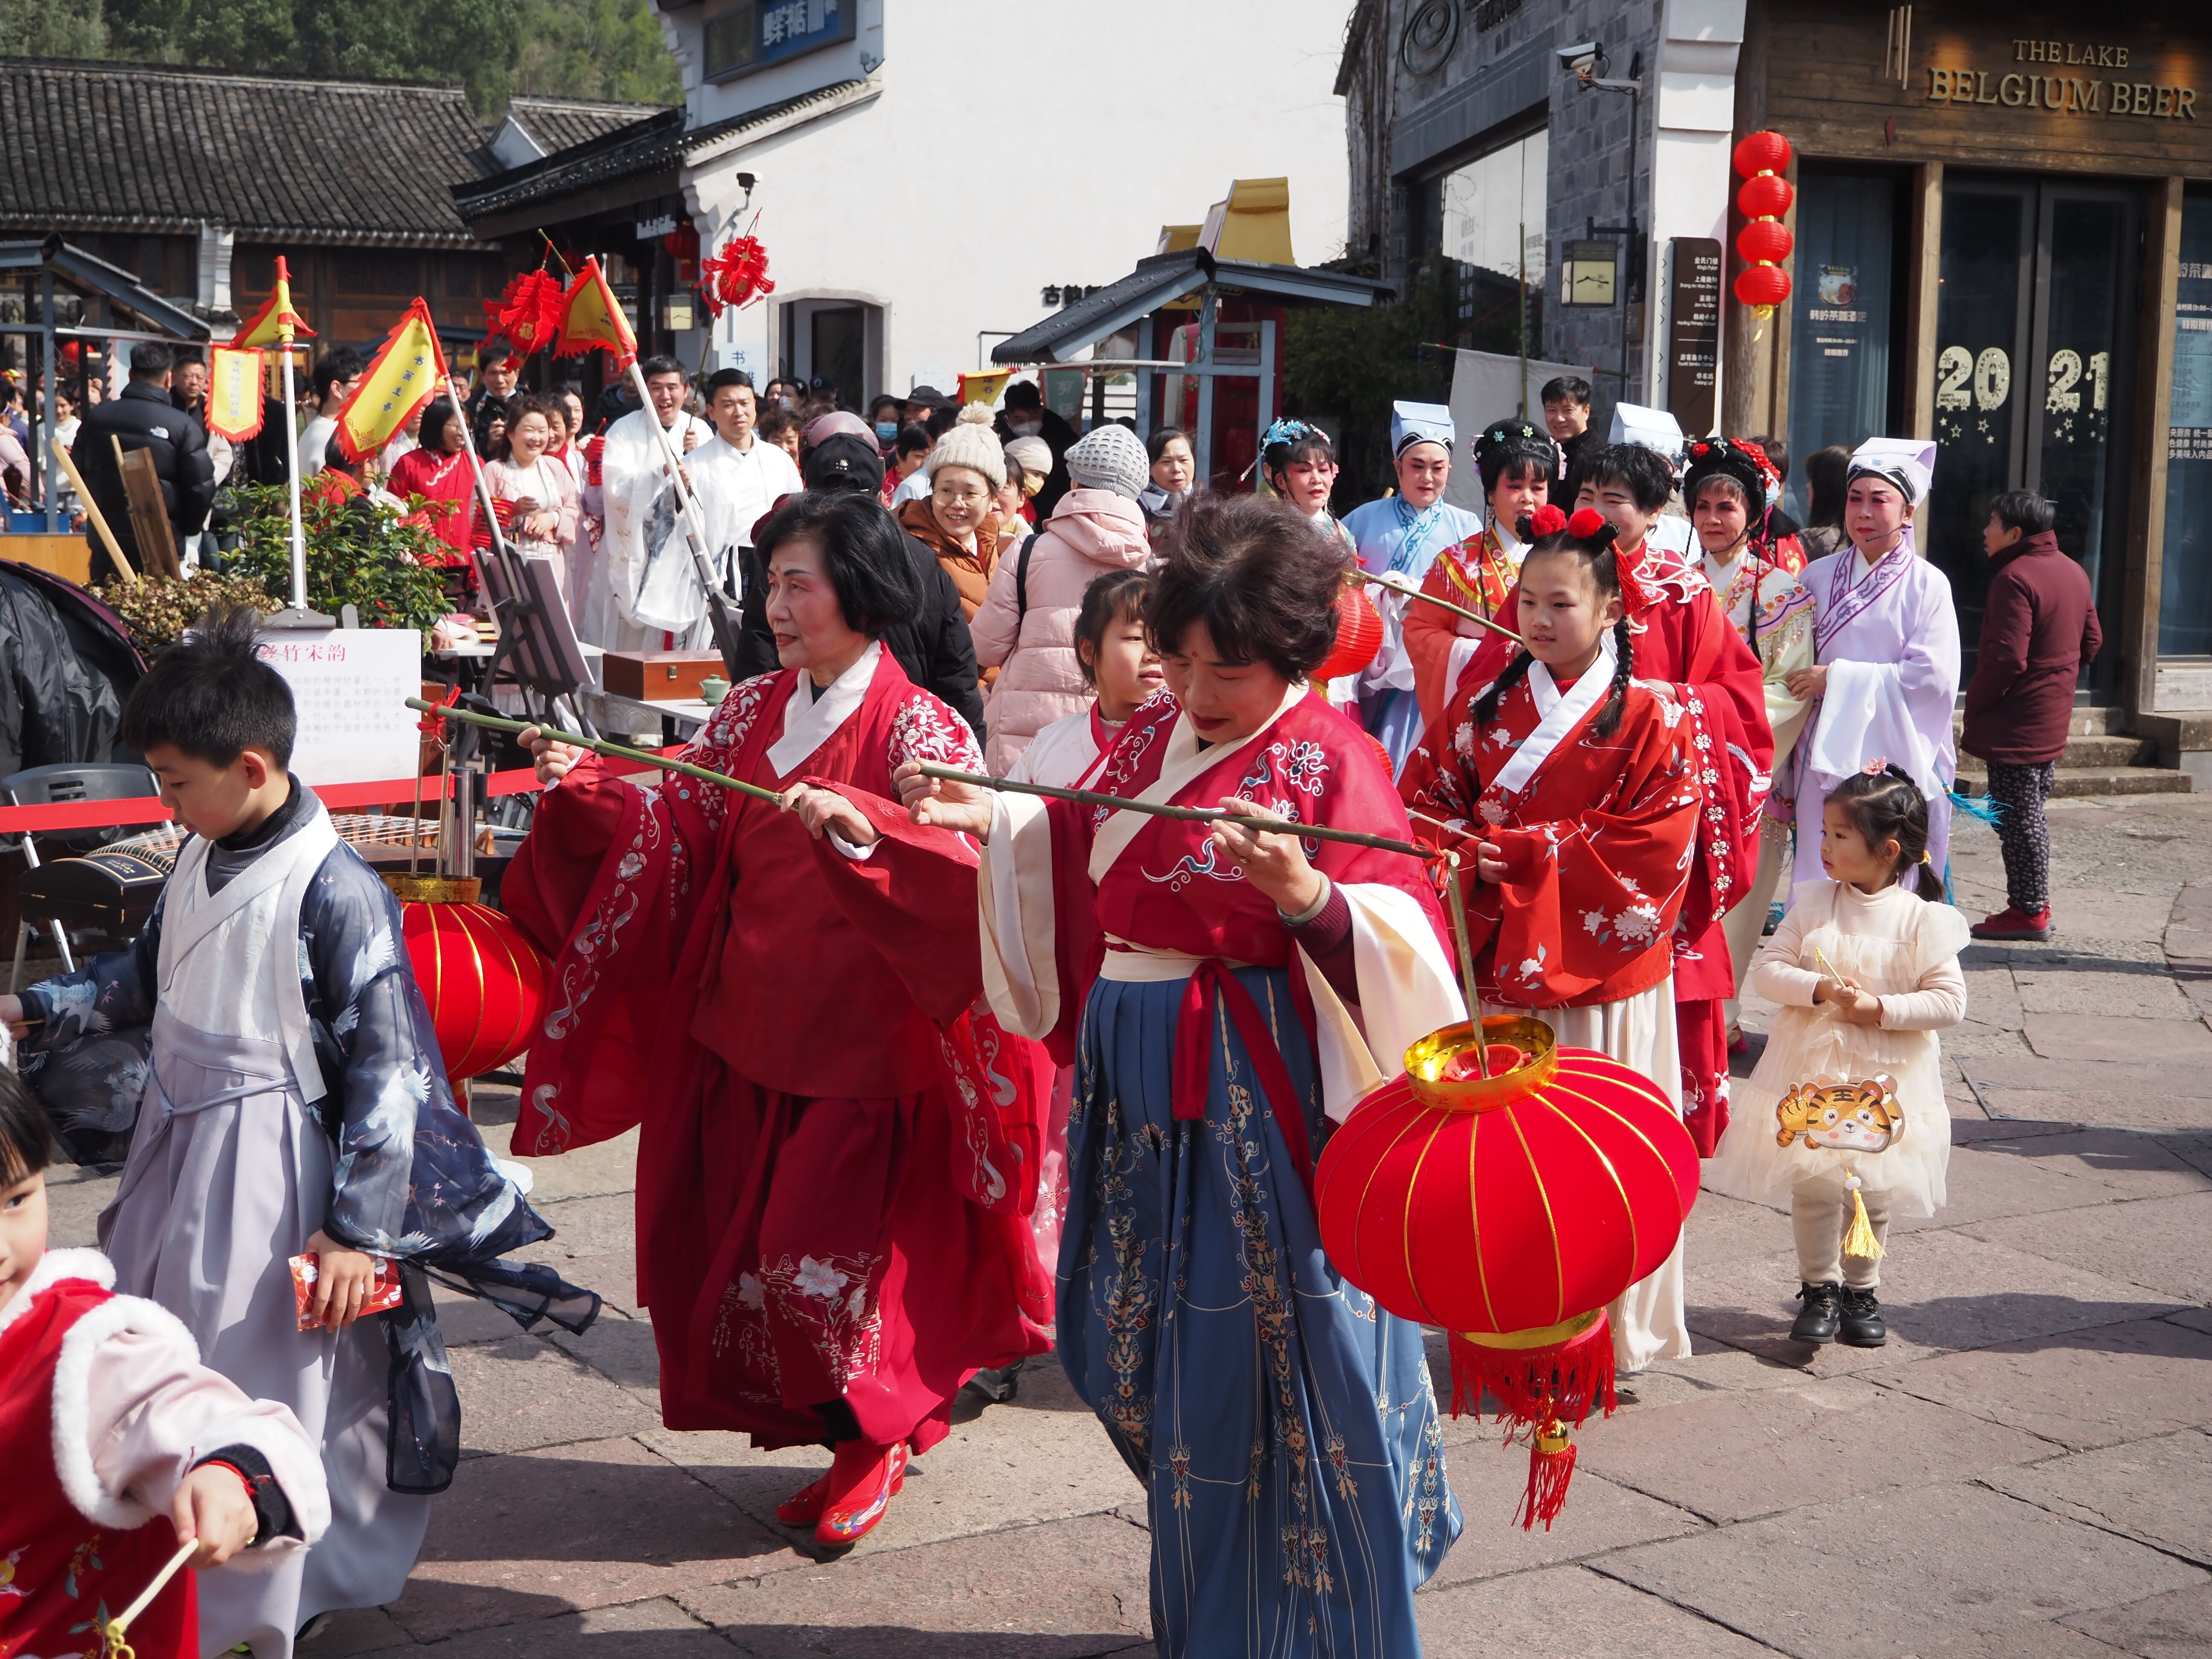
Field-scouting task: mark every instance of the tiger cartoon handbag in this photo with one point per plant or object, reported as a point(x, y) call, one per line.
point(1837, 1116)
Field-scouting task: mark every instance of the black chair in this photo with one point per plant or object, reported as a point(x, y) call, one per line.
point(47, 786)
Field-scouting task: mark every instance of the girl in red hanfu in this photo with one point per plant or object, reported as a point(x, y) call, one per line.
point(832, 1179)
point(1203, 978)
point(1571, 788)
point(1517, 462)
point(1684, 641)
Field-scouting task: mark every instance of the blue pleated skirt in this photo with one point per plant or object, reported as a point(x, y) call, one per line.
point(1283, 1424)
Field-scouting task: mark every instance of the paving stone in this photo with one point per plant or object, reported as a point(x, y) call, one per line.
point(2150, 1095)
point(657, 1629)
point(1940, 1290)
point(2084, 1388)
point(2162, 1243)
point(1724, 1229)
point(469, 1320)
point(1567, 1610)
point(525, 1392)
point(2139, 1165)
point(1746, 1455)
point(2171, 1041)
point(1903, 1570)
point(1041, 1457)
point(2086, 913)
point(1489, 1479)
point(2088, 994)
point(359, 1629)
point(528, 1535)
point(2168, 1626)
point(587, 1172)
point(2158, 1491)
point(2044, 1640)
point(1068, 1590)
point(74, 1197)
point(621, 1350)
point(1985, 1185)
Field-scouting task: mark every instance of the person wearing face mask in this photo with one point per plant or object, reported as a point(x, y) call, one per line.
point(908, 454)
point(1518, 464)
point(1029, 463)
point(959, 522)
point(1025, 415)
point(886, 416)
point(1401, 535)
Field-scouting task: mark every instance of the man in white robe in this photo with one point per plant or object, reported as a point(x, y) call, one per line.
point(642, 585)
point(738, 479)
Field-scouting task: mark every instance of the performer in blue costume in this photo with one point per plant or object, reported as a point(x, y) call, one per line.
point(1402, 534)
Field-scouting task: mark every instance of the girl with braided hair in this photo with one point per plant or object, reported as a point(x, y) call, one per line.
point(1517, 462)
point(1728, 483)
point(1571, 790)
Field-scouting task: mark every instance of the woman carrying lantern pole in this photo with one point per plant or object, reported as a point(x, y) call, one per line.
point(1202, 979)
point(831, 1177)
point(1571, 788)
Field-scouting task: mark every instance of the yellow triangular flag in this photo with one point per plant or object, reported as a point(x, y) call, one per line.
point(593, 319)
point(276, 322)
point(406, 373)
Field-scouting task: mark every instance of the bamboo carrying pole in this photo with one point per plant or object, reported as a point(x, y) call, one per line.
point(1399, 585)
point(112, 1634)
point(92, 513)
point(597, 745)
point(1195, 814)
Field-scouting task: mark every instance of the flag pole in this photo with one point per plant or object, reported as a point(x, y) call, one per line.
point(725, 634)
point(298, 614)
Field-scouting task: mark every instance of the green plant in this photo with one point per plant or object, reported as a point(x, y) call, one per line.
point(159, 609)
point(360, 553)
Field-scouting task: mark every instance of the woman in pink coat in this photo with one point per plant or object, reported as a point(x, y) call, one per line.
point(1026, 626)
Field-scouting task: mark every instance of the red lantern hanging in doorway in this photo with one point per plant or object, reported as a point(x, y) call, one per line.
point(1509, 1208)
point(1765, 242)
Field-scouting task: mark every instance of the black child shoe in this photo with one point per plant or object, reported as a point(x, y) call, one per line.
point(1823, 1310)
point(1862, 1326)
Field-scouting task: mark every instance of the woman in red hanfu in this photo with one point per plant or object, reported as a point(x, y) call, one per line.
point(1204, 980)
point(832, 1175)
point(1517, 462)
point(1571, 788)
point(1685, 640)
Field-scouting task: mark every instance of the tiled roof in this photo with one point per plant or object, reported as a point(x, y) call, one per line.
point(564, 122)
point(144, 146)
point(659, 143)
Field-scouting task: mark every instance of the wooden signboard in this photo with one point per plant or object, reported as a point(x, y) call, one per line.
point(150, 514)
point(1693, 336)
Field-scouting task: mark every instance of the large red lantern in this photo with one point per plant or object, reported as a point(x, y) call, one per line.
point(1509, 1209)
point(1765, 241)
point(485, 983)
point(1767, 196)
point(1761, 152)
point(1359, 635)
point(1762, 287)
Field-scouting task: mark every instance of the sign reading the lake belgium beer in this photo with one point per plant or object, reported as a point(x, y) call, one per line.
point(2032, 87)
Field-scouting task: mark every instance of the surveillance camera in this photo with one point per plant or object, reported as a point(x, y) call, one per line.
point(1582, 61)
point(745, 181)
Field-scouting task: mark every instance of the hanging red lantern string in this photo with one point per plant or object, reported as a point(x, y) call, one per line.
point(527, 315)
point(1765, 242)
point(737, 275)
point(1359, 636)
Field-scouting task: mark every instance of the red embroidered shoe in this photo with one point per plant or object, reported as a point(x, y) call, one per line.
point(859, 1489)
point(2012, 923)
point(804, 1507)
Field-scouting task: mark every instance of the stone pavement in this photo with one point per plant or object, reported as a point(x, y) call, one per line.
point(2024, 1473)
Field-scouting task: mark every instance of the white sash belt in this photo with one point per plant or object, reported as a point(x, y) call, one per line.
point(1141, 964)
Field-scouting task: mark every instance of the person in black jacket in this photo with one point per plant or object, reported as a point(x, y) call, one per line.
point(1025, 415)
point(935, 648)
point(143, 417)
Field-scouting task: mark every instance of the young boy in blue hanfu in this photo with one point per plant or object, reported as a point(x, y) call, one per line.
point(295, 1104)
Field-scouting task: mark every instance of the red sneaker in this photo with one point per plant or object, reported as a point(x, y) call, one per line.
point(2011, 923)
point(804, 1507)
point(858, 1490)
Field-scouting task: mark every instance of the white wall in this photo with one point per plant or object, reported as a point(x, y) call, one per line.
point(1018, 144)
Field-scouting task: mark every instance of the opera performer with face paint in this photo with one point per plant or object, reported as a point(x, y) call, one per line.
point(788, 996)
point(1204, 980)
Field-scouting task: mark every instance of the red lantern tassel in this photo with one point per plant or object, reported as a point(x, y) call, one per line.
point(1551, 1466)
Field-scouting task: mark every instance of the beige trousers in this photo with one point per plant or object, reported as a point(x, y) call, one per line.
point(1821, 1214)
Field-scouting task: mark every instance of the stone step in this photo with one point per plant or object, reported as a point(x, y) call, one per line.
point(2084, 722)
point(2074, 783)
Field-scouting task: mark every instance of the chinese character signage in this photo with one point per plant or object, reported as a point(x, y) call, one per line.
point(756, 34)
point(350, 686)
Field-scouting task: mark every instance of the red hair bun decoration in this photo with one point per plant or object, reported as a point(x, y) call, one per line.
point(1585, 524)
point(1548, 521)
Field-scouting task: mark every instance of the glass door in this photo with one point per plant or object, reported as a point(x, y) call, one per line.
point(1986, 275)
point(2035, 340)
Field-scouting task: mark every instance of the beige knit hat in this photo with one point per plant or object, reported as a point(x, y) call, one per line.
point(971, 443)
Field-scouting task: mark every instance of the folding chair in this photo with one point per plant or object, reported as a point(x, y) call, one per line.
point(47, 786)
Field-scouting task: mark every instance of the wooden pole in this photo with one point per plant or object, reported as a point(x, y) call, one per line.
point(1197, 814)
point(60, 452)
point(1399, 585)
point(598, 746)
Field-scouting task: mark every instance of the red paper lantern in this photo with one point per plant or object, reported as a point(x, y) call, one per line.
point(528, 314)
point(1509, 1209)
point(1762, 152)
point(485, 983)
point(737, 275)
point(1766, 197)
point(683, 242)
point(1359, 636)
point(1763, 286)
point(1765, 242)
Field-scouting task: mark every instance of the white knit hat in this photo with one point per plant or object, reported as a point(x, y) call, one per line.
point(1110, 457)
point(972, 444)
point(1031, 454)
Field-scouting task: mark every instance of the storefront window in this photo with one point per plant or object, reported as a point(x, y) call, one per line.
point(1492, 213)
point(2185, 618)
point(1840, 324)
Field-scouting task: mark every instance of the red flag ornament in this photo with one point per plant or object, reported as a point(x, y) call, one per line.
point(527, 316)
point(736, 276)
